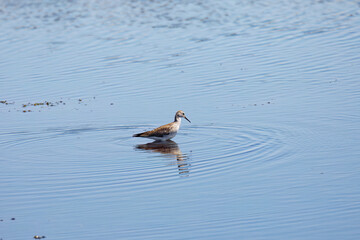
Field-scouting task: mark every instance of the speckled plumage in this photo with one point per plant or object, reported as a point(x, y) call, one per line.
point(165, 132)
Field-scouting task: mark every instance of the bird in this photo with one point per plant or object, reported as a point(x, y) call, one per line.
point(165, 132)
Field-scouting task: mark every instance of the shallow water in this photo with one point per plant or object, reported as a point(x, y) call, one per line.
point(271, 88)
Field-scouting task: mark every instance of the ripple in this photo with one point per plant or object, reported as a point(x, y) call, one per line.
point(235, 145)
point(96, 165)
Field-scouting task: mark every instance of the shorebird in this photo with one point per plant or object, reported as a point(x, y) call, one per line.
point(164, 132)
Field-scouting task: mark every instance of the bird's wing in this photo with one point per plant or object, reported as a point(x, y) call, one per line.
point(157, 132)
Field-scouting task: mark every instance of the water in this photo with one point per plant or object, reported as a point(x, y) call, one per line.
point(271, 88)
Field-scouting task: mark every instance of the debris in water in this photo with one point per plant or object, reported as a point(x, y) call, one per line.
point(38, 104)
point(26, 106)
point(39, 237)
point(6, 102)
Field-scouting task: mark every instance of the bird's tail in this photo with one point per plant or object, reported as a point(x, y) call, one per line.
point(137, 135)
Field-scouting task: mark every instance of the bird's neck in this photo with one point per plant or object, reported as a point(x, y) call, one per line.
point(177, 119)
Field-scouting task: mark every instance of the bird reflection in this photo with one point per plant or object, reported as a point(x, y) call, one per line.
point(170, 149)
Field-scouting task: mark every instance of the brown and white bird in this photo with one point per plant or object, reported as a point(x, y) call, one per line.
point(165, 132)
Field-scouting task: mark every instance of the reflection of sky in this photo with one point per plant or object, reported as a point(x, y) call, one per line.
point(100, 49)
point(271, 89)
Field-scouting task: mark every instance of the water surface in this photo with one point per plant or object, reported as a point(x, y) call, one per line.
point(271, 88)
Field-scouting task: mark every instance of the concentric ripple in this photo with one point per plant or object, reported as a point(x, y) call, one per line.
point(105, 161)
point(221, 148)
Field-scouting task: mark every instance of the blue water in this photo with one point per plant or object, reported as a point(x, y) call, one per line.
point(272, 89)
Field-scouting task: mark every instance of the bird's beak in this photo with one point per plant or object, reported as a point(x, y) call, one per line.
point(187, 119)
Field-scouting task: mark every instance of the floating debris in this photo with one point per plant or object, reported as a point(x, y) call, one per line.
point(13, 219)
point(38, 104)
point(42, 104)
point(39, 237)
point(23, 107)
point(6, 102)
